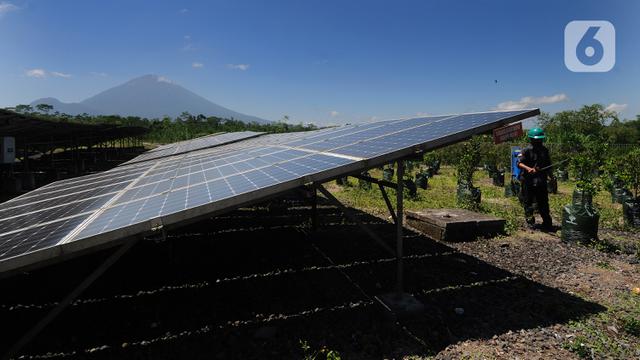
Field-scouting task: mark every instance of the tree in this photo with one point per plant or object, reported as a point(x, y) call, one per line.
point(588, 120)
point(44, 108)
point(586, 162)
point(469, 157)
point(623, 132)
point(23, 109)
point(630, 171)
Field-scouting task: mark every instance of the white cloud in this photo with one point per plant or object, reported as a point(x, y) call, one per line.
point(59, 74)
point(529, 101)
point(164, 79)
point(242, 67)
point(188, 47)
point(616, 107)
point(183, 11)
point(334, 113)
point(187, 37)
point(197, 65)
point(36, 73)
point(42, 73)
point(7, 7)
point(101, 74)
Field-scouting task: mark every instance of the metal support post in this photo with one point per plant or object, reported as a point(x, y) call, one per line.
point(314, 209)
point(388, 202)
point(399, 242)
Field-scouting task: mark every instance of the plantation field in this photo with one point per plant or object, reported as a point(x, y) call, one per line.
point(441, 193)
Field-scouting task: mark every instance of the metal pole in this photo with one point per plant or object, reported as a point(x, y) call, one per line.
point(388, 202)
point(314, 209)
point(399, 211)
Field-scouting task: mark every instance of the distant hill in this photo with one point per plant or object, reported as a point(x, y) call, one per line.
point(149, 96)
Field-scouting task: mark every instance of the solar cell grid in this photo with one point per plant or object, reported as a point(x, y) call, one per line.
point(40, 216)
point(36, 238)
point(194, 144)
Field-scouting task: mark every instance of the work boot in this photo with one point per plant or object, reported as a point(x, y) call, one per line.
point(531, 223)
point(547, 227)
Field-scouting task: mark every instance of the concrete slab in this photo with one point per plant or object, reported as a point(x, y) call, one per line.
point(454, 225)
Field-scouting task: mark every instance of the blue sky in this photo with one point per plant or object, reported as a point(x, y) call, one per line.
point(327, 62)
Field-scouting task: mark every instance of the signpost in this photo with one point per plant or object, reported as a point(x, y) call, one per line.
point(506, 133)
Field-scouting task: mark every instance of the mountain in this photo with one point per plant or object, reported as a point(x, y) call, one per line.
point(149, 96)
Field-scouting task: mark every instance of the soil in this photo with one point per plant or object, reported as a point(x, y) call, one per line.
point(259, 283)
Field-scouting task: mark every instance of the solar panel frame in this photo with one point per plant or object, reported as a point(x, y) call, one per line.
point(352, 165)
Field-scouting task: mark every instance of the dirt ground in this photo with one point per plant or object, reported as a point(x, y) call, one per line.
point(259, 283)
point(597, 277)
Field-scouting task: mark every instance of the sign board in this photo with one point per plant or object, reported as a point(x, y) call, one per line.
point(506, 133)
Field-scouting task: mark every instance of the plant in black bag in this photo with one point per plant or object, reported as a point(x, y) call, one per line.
point(580, 219)
point(629, 175)
point(614, 169)
point(469, 157)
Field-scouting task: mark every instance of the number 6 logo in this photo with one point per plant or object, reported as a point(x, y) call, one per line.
point(589, 46)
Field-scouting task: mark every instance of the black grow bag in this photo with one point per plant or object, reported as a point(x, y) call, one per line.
point(435, 165)
point(387, 174)
point(467, 194)
point(620, 195)
point(562, 175)
point(579, 223)
point(363, 184)
point(410, 187)
point(631, 211)
point(582, 198)
point(552, 186)
point(422, 181)
point(498, 178)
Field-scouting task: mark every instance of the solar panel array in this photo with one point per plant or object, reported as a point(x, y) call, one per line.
point(194, 144)
point(80, 213)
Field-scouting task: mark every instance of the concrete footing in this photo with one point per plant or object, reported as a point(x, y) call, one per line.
point(455, 225)
point(403, 306)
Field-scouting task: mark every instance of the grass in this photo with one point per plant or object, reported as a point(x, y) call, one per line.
point(441, 193)
point(323, 353)
point(614, 333)
point(604, 265)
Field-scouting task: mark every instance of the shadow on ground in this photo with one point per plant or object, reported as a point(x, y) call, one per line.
point(254, 283)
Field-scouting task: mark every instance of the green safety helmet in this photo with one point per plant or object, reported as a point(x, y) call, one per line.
point(536, 133)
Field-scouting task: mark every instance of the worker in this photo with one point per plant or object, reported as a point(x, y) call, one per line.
point(533, 158)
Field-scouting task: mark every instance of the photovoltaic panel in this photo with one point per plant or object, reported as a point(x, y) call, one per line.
point(193, 144)
point(82, 213)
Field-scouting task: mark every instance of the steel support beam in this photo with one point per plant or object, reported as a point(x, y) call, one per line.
point(388, 202)
point(380, 182)
point(349, 213)
point(399, 240)
point(62, 305)
point(314, 209)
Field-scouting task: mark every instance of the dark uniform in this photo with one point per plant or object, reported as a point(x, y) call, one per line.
point(534, 186)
